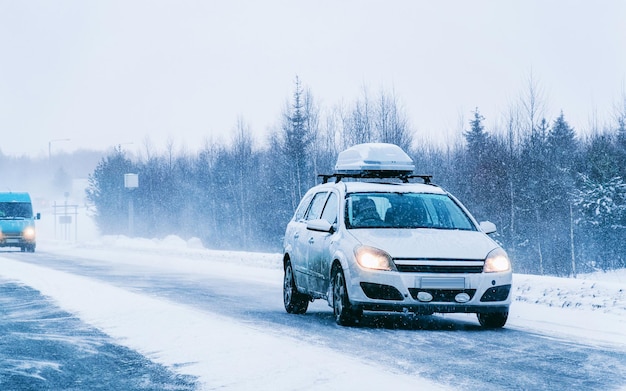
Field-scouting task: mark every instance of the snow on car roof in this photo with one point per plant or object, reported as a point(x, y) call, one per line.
point(356, 187)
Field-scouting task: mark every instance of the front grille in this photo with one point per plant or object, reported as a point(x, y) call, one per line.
point(450, 266)
point(439, 269)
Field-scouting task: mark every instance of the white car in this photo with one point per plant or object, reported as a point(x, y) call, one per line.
point(371, 239)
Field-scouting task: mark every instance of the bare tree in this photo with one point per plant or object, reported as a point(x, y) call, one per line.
point(620, 119)
point(243, 171)
point(169, 148)
point(312, 124)
point(533, 105)
point(392, 124)
point(357, 122)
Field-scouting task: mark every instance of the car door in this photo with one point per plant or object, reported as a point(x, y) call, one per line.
point(293, 237)
point(320, 247)
point(301, 261)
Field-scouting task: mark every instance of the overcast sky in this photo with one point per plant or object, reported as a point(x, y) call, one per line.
point(104, 73)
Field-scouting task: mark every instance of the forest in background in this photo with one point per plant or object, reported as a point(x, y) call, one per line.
point(557, 198)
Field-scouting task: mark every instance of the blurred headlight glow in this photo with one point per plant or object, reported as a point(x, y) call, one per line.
point(373, 258)
point(29, 233)
point(497, 261)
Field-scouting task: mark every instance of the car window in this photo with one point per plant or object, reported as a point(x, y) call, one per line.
point(330, 210)
point(315, 211)
point(303, 207)
point(16, 209)
point(446, 214)
point(405, 210)
point(364, 210)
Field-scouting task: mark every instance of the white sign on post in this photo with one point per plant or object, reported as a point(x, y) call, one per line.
point(131, 181)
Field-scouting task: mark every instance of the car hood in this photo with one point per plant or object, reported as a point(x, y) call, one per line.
point(427, 243)
point(13, 225)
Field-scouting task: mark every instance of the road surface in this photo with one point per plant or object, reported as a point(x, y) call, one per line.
point(44, 347)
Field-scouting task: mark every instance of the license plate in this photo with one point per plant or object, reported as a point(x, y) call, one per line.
point(12, 240)
point(441, 283)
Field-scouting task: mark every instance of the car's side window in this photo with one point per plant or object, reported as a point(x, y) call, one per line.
point(317, 205)
point(330, 210)
point(303, 207)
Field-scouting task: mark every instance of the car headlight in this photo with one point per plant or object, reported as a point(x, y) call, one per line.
point(373, 258)
point(29, 233)
point(497, 261)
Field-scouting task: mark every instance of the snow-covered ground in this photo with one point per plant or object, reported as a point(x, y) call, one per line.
point(225, 353)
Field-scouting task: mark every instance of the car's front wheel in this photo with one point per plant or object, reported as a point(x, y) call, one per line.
point(345, 315)
point(493, 320)
point(295, 302)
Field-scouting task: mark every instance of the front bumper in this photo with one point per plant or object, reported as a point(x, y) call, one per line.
point(427, 293)
point(8, 240)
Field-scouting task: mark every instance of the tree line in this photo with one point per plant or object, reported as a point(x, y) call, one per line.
point(558, 199)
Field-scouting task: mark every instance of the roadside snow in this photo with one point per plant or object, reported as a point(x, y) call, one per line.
point(603, 293)
point(588, 309)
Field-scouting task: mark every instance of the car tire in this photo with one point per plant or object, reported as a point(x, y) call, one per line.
point(295, 302)
point(493, 320)
point(345, 315)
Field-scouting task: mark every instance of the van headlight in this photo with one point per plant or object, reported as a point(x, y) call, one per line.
point(497, 261)
point(29, 233)
point(373, 258)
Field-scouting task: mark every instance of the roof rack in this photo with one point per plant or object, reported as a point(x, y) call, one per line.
point(376, 174)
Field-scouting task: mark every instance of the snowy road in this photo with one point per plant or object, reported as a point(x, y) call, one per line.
point(244, 290)
point(45, 348)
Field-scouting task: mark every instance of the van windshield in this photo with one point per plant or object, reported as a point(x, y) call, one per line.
point(405, 210)
point(16, 210)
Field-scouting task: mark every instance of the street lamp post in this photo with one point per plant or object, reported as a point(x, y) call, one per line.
point(50, 146)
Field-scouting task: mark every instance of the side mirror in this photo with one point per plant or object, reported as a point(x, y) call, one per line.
point(320, 225)
point(38, 216)
point(487, 227)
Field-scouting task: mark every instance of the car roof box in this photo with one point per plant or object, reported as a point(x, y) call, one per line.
point(374, 157)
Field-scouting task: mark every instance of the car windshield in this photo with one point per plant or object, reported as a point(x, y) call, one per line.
point(405, 210)
point(12, 210)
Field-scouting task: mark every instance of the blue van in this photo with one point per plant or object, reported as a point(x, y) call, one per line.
point(17, 222)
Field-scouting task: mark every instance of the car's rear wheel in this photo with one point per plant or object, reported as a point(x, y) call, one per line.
point(345, 315)
point(295, 302)
point(493, 320)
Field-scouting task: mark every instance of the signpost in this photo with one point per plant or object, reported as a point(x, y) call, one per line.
point(65, 219)
point(131, 182)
